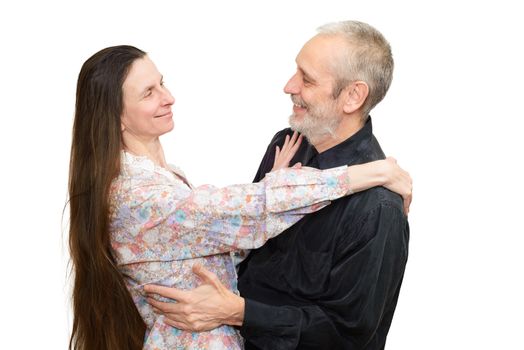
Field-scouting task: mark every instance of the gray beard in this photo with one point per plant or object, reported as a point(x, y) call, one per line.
point(314, 128)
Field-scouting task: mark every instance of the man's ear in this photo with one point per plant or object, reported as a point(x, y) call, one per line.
point(354, 95)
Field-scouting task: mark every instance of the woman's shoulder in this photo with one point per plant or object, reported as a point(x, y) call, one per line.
point(143, 168)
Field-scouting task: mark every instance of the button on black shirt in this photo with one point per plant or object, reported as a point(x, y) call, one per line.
point(332, 280)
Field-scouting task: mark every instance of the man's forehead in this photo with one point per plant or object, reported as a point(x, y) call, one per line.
point(318, 55)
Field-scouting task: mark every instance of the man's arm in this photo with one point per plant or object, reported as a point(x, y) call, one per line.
point(364, 282)
point(365, 279)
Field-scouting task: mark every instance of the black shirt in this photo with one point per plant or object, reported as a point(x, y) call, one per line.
point(332, 280)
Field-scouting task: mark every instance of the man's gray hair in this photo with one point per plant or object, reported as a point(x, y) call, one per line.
point(367, 58)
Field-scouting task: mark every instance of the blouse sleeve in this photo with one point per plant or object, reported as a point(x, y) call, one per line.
point(166, 221)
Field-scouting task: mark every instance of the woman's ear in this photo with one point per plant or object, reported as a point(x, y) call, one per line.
point(122, 125)
point(355, 95)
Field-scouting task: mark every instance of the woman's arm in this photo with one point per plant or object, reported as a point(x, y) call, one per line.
point(166, 221)
point(385, 173)
point(156, 219)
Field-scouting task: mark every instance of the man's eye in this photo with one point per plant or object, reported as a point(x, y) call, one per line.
point(148, 93)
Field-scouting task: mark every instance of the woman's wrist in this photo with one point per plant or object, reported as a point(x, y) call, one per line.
point(381, 171)
point(368, 175)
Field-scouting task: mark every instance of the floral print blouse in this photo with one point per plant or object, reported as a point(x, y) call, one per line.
point(161, 226)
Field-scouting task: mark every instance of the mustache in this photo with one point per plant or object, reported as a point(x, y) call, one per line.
point(298, 101)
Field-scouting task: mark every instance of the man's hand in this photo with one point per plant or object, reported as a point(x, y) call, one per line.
point(206, 307)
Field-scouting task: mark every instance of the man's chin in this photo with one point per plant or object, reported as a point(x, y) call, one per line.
point(298, 128)
point(294, 124)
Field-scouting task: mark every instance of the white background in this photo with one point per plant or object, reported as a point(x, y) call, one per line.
point(452, 117)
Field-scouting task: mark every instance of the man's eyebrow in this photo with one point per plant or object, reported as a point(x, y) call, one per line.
point(307, 76)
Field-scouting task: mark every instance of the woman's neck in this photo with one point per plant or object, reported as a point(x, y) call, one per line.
point(151, 149)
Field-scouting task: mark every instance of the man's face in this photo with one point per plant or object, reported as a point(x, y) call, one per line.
point(316, 114)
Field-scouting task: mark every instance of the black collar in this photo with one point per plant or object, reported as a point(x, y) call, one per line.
point(350, 151)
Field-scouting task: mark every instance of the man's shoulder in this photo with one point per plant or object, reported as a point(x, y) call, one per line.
point(364, 215)
point(281, 135)
point(380, 196)
point(363, 205)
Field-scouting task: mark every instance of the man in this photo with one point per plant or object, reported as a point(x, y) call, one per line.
point(332, 280)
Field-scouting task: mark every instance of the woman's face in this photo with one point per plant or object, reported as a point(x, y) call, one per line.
point(147, 102)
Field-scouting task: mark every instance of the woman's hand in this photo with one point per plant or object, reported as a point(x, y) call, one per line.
point(398, 180)
point(385, 173)
point(283, 156)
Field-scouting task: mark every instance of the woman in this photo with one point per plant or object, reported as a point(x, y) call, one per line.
point(136, 220)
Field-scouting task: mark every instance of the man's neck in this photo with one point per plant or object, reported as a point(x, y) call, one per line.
point(347, 128)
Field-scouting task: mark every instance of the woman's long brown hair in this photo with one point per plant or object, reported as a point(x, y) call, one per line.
point(105, 316)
